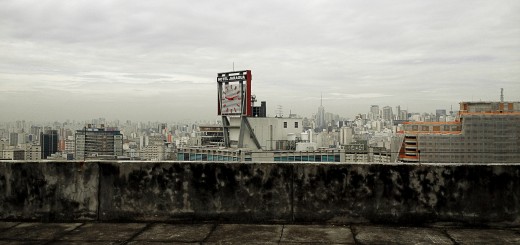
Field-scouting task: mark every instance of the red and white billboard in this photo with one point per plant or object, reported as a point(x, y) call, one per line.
point(234, 93)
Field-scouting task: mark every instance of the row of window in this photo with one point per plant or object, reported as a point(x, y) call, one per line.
point(434, 128)
point(312, 158)
point(285, 124)
point(205, 157)
point(210, 157)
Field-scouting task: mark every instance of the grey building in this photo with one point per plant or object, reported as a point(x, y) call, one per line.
point(98, 143)
point(388, 115)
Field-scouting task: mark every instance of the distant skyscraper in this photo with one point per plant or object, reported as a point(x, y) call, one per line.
point(320, 117)
point(403, 115)
point(387, 113)
point(374, 112)
point(162, 128)
point(346, 135)
point(49, 143)
point(13, 139)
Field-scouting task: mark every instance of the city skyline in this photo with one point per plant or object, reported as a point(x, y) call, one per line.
point(122, 59)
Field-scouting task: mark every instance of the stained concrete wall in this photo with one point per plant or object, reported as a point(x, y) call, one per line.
point(49, 191)
point(260, 192)
point(407, 193)
point(204, 191)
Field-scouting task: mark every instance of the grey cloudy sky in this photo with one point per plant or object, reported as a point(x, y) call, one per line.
point(158, 60)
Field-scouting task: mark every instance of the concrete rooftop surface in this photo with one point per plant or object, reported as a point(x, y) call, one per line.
point(213, 233)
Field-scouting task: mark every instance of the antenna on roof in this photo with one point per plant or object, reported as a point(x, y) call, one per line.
point(501, 94)
point(233, 66)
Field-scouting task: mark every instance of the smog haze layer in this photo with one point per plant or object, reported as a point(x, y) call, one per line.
point(159, 60)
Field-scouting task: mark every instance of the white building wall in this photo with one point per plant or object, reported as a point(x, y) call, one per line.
point(267, 130)
point(346, 135)
point(33, 152)
point(356, 157)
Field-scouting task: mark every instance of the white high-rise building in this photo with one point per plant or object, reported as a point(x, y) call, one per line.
point(387, 113)
point(374, 112)
point(346, 135)
point(320, 117)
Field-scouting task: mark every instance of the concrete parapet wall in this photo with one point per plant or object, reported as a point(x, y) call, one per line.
point(207, 191)
point(260, 192)
point(49, 191)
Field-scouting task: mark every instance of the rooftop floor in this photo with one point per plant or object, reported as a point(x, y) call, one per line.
point(212, 233)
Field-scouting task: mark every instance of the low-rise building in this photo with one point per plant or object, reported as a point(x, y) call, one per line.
point(13, 154)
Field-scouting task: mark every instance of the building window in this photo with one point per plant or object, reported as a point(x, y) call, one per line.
point(295, 124)
point(284, 124)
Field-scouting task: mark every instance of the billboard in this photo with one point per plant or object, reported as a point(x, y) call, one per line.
point(234, 93)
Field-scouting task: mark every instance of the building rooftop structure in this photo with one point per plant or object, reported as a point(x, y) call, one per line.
point(248, 136)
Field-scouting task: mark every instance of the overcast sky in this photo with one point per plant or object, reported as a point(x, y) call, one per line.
point(158, 60)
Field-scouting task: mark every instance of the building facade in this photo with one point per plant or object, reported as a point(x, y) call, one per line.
point(13, 154)
point(98, 143)
point(388, 115)
point(374, 112)
point(33, 152)
point(211, 135)
point(484, 132)
point(48, 143)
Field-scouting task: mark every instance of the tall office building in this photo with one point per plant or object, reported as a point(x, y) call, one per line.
point(320, 117)
point(403, 115)
point(48, 143)
point(70, 146)
point(346, 135)
point(484, 132)
point(98, 143)
point(388, 115)
point(162, 128)
point(13, 139)
point(374, 112)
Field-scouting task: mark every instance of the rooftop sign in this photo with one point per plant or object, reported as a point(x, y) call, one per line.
point(234, 76)
point(234, 93)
